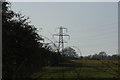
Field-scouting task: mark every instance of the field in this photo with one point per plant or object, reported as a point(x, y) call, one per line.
point(80, 70)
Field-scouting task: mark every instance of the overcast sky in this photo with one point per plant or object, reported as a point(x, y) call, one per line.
point(92, 26)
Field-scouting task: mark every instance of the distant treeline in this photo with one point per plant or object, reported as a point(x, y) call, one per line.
point(101, 56)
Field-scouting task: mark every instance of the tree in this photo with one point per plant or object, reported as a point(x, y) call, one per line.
point(22, 52)
point(20, 43)
point(70, 52)
point(95, 57)
point(102, 55)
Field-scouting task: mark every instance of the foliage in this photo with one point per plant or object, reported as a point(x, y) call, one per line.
point(70, 52)
point(102, 56)
point(22, 51)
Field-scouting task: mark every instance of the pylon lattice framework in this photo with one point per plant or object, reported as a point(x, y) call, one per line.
point(61, 35)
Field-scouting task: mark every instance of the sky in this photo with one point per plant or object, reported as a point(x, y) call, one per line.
point(92, 26)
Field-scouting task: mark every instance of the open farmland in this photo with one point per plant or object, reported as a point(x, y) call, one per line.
point(80, 70)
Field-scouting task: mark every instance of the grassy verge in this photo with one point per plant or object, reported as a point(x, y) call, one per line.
point(79, 70)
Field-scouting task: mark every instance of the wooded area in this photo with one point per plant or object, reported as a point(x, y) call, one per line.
point(22, 51)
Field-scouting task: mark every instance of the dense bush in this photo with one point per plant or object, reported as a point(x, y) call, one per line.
point(22, 52)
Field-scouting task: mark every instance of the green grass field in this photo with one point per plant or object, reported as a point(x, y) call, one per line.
point(80, 70)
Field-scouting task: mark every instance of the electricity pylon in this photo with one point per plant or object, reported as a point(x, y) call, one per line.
point(61, 35)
